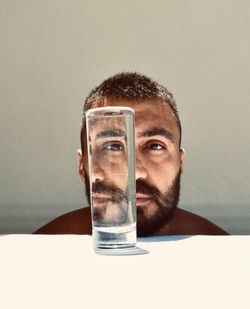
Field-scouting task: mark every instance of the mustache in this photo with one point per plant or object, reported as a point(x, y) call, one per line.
point(144, 187)
point(116, 194)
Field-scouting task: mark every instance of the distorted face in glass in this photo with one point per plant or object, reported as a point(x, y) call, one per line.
point(108, 169)
point(159, 161)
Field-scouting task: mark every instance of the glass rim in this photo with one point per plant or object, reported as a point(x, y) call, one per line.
point(115, 108)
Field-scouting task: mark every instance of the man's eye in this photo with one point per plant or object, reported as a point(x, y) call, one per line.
point(116, 147)
point(155, 147)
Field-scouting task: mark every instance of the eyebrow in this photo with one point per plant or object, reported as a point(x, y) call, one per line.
point(157, 131)
point(110, 133)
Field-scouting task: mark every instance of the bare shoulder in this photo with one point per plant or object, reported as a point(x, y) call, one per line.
point(187, 223)
point(74, 222)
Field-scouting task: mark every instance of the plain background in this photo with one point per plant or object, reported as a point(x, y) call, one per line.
point(54, 52)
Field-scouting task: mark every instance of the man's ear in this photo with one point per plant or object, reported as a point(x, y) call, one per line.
point(80, 160)
point(182, 155)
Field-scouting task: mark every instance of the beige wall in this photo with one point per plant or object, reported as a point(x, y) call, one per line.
point(53, 52)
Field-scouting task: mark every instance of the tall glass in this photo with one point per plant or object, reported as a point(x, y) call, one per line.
point(111, 161)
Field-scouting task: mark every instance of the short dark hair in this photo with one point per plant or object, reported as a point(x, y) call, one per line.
point(131, 87)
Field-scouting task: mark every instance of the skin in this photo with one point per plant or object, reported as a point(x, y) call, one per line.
point(159, 159)
point(104, 160)
point(108, 166)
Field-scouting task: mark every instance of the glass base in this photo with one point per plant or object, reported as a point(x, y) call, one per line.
point(117, 237)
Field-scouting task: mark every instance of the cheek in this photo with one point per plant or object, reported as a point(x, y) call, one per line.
point(163, 174)
point(114, 173)
point(117, 174)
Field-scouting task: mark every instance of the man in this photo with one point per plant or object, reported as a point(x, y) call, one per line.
point(159, 161)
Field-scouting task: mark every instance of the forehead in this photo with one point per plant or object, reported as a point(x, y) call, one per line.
point(152, 114)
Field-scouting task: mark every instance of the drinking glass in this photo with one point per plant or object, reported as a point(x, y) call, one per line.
point(111, 162)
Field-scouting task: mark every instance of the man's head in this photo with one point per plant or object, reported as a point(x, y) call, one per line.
point(159, 157)
point(128, 87)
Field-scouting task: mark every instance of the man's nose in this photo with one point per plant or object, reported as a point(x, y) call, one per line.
point(140, 170)
point(97, 172)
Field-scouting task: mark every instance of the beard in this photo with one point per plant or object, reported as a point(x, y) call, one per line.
point(114, 210)
point(166, 203)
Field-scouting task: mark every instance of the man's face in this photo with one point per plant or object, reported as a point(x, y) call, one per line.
point(108, 165)
point(158, 164)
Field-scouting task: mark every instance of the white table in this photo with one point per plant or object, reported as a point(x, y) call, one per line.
point(62, 271)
